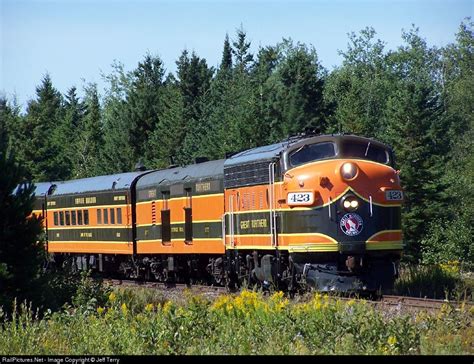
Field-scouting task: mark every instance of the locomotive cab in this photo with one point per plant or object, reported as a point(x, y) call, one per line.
point(345, 197)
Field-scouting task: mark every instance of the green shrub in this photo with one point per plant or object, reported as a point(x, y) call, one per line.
point(247, 323)
point(440, 281)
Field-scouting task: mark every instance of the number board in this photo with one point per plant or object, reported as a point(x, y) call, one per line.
point(394, 195)
point(300, 198)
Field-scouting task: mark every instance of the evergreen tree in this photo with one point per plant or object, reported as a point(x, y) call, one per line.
point(226, 62)
point(241, 52)
point(69, 128)
point(46, 160)
point(416, 128)
point(449, 236)
point(194, 79)
point(166, 141)
point(143, 104)
point(12, 125)
point(265, 83)
point(298, 99)
point(21, 256)
point(229, 116)
point(89, 137)
point(117, 153)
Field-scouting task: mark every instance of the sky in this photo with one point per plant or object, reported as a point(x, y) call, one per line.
point(76, 41)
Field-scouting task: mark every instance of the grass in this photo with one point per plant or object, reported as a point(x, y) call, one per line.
point(143, 322)
point(444, 281)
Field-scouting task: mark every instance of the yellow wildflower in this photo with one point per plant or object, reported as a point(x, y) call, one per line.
point(124, 309)
point(112, 297)
point(350, 302)
point(100, 310)
point(451, 267)
point(149, 307)
point(220, 302)
point(167, 307)
point(392, 340)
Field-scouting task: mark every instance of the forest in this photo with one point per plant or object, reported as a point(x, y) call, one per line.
point(417, 98)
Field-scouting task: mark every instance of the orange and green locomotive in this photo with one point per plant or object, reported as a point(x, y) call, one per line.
point(311, 211)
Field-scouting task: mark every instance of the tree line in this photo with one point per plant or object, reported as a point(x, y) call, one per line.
point(417, 98)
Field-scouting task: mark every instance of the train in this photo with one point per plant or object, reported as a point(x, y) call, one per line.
point(317, 212)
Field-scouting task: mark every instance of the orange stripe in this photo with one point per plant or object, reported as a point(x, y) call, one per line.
point(179, 247)
point(387, 235)
point(98, 247)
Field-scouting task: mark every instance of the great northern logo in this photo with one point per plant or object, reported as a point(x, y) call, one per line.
point(351, 224)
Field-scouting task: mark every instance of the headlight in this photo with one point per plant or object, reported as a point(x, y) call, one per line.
point(349, 171)
point(350, 203)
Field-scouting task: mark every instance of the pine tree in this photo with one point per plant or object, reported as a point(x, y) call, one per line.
point(117, 153)
point(449, 236)
point(12, 125)
point(69, 127)
point(229, 116)
point(298, 99)
point(264, 79)
point(226, 62)
point(194, 79)
point(166, 141)
point(241, 51)
point(21, 256)
point(46, 161)
point(143, 103)
point(89, 136)
point(416, 128)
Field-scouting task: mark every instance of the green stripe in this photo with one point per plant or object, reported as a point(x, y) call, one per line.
point(90, 234)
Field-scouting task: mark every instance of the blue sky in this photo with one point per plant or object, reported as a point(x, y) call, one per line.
point(76, 40)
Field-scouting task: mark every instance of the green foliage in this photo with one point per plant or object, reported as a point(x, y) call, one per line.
point(89, 139)
point(297, 103)
point(21, 252)
point(449, 236)
point(117, 155)
point(226, 63)
point(242, 324)
point(47, 160)
point(143, 107)
point(90, 293)
point(439, 281)
point(241, 52)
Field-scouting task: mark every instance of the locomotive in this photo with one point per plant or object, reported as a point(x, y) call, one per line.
point(312, 212)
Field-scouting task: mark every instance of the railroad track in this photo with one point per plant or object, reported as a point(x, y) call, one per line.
point(166, 286)
point(419, 303)
point(386, 301)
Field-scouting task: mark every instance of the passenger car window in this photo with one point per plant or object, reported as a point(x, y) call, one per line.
point(365, 151)
point(312, 152)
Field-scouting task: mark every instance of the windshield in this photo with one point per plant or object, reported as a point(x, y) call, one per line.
point(312, 152)
point(364, 150)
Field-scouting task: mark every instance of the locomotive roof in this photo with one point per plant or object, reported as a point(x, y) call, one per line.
point(268, 152)
point(193, 171)
point(92, 184)
point(260, 153)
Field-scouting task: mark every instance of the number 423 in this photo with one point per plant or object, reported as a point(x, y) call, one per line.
point(300, 198)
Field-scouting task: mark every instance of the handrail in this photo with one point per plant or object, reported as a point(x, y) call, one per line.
point(231, 216)
point(223, 229)
point(329, 207)
point(271, 190)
